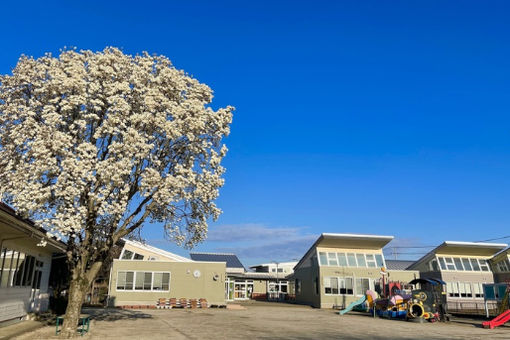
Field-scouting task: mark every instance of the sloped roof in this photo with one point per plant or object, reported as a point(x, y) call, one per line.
point(398, 264)
point(353, 241)
point(167, 254)
point(231, 259)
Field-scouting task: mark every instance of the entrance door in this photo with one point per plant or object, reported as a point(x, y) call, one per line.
point(240, 290)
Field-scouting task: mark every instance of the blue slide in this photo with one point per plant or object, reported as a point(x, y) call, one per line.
point(352, 305)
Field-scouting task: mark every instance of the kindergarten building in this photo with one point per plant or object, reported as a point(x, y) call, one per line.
point(144, 274)
point(500, 264)
point(339, 268)
point(262, 284)
point(465, 267)
point(24, 266)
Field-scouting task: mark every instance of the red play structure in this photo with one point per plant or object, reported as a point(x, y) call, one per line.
point(498, 320)
point(504, 317)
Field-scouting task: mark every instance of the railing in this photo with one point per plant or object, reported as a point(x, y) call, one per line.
point(472, 308)
point(273, 296)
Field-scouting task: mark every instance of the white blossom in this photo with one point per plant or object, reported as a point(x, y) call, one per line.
point(86, 137)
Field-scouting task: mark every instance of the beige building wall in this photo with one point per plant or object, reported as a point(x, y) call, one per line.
point(260, 286)
point(308, 276)
point(183, 283)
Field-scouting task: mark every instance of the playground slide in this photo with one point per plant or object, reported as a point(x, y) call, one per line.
point(352, 305)
point(498, 320)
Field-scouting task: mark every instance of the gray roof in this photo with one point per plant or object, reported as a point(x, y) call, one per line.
point(398, 264)
point(231, 259)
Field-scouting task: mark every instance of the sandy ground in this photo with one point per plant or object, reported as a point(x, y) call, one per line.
point(266, 321)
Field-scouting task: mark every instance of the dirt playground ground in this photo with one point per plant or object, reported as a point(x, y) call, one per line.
point(265, 321)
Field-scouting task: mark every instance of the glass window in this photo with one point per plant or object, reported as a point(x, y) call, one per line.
point(449, 263)
point(442, 263)
point(342, 260)
point(2, 265)
point(351, 260)
point(379, 260)
point(362, 285)
point(458, 264)
point(20, 265)
point(327, 285)
point(370, 261)
point(334, 285)
point(138, 257)
point(298, 286)
point(361, 260)
point(323, 259)
point(483, 265)
point(332, 259)
point(129, 280)
point(348, 286)
point(127, 255)
point(121, 280)
point(161, 281)
point(139, 280)
point(462, 289)
point(477, 290)
point(467, 264)
point(474, 264)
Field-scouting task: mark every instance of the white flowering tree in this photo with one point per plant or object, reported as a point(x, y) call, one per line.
point(94, 145)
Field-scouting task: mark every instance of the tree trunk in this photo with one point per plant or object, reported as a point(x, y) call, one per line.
point(77, 291)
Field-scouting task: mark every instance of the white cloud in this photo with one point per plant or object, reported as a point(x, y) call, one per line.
point(250, 232)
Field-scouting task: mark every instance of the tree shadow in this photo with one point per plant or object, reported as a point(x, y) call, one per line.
point(114, 314)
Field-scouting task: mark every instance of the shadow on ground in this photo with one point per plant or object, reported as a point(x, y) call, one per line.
point(113, 314)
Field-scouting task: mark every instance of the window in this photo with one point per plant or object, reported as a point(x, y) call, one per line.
point(458, 263)
point(467, 264)
point(327, 285)
point(474, 264)
point(379, 260)
point(138, 257)
point(351, 260)
point(161, 281)
point(143, 281)
point(370, 261)
point(483, 265)
point(36, 283)
point(449, 263)
point(334, 285)
point(298, 286)
point(280, 270)
point(453, 289)
point(342, 260)
point(337, 286)
point(127, 255)
point(361, 260)
point(348, 286)
point(332, 259)
point(465, 290)
point(442, 263)
point(323, 259)
point(433, 265)
point(478, 290)
point(362, 285)
point(125, 280)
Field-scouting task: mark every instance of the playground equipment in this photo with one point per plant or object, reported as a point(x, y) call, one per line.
point(351, 306)
point(426, 303)
point(501, 293)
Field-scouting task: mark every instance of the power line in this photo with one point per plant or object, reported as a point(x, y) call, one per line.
point(494, 239)
point(411, 247)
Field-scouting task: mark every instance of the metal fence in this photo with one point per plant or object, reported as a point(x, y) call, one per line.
point(472, 308)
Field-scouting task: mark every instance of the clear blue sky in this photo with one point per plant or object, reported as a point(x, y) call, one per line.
point(381, 117)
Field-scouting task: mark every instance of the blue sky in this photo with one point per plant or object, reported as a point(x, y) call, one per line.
point(384, 117)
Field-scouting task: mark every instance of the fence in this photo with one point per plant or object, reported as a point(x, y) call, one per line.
point(472, 308)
